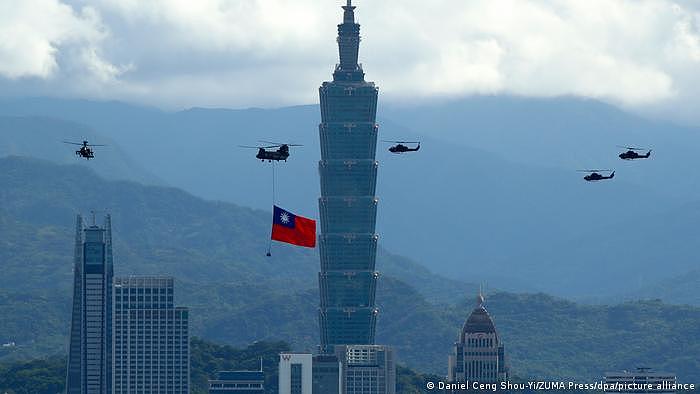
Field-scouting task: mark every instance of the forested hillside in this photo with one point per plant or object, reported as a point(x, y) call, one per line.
point(238, 296)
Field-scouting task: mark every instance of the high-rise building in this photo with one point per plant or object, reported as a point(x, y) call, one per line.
point(238, 382)
point(90, 349)
point(151, 337)
point(643, 380)
point(296, 373)
point(367, 369)
point(348, 206)
point(478, 354)
point(327, 374)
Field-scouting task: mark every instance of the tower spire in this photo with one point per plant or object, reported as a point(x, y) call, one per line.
point(349, 15)
point(348, 46)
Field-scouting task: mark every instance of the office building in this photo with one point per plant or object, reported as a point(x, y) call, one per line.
point(367, 369)
point(151, 337)
point(327, 374)
point(478, 354)
point(348, 206)
point(89, 369)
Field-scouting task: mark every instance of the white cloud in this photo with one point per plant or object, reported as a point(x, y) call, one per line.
point(636, 53)
point(34, 34)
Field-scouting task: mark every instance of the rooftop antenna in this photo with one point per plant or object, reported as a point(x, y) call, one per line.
point(261, 359)
point(94, 221)
point(480, 299)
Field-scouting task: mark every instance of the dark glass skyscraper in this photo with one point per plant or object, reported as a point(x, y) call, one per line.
point(348, 206)
point(90, 348)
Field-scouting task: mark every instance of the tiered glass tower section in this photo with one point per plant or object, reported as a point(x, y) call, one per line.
point(348, 206)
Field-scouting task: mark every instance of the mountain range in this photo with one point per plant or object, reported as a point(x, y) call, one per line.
point(492, 196)
point(237, 295)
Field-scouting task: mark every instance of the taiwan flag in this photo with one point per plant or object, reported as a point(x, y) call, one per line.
point(292, 229)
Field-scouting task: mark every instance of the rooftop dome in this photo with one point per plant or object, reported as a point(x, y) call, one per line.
point(478, 322)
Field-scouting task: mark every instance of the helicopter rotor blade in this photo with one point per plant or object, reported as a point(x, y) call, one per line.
point(72, 143)
point(594, 170)
point(277, 144)
point(402, 142)
point(629, 147)
point(258, 147)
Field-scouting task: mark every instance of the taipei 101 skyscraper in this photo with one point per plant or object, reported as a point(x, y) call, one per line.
point(348, 206)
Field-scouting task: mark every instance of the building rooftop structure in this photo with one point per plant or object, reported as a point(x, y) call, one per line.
point(479, 321)
point(238, 382)
point(478, 354)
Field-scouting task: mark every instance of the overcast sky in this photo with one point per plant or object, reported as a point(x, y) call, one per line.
point(639, 54)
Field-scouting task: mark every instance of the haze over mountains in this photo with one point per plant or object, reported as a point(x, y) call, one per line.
point(236, 295)
point(492, 196)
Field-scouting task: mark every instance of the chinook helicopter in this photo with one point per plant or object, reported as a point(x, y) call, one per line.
point(401, 148)
point(632, 154)
point(280, 154)
point(596, 176)
point(85, 149)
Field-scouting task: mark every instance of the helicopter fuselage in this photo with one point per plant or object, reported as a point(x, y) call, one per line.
point(400, 148)
point(280, 154)
point(632, 155)
point(597, 177)
point(85, 152)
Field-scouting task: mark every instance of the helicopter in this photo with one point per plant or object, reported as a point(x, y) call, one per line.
point(632, 154)
point(84, 150)
point(401, 148)
point(595, 176)
point(282, 152)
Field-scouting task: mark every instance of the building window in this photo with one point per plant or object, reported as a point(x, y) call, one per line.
point(296, 377)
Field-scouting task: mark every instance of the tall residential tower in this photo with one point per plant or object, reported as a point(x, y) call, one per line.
point(90, 348)
point(348, 206)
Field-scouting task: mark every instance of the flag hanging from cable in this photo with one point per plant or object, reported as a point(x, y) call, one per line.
point(292, 229)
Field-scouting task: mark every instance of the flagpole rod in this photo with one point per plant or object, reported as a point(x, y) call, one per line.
point(269, 243)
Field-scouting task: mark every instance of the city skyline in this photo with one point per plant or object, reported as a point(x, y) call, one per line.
point(495, 195)
point(126, 335)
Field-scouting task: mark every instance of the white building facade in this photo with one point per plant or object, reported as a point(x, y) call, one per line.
point(296, 373)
